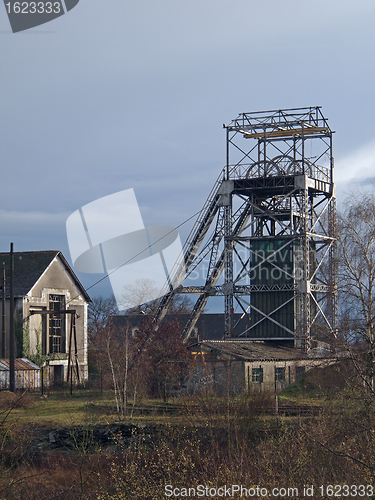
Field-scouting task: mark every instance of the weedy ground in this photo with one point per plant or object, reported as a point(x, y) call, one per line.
point(75, 447)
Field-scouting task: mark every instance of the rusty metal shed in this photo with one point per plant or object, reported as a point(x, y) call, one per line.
point(28, 374)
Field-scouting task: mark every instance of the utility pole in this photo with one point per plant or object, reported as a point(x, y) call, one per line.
point(12, 378)
point(3, 324)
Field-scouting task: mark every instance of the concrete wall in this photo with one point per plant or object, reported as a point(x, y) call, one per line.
point(218, 377)
point(238, 376)
point(276, 375)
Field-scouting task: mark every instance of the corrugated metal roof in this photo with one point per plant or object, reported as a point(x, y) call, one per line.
point(19, 364)
point(249, 350)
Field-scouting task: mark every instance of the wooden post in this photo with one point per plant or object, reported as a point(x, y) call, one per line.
point(12, 373)
point(3, 323)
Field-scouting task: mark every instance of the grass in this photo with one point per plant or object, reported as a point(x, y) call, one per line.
point(59, 408)
point(212, 440)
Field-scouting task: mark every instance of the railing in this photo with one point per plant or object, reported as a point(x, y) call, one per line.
point(271, 168)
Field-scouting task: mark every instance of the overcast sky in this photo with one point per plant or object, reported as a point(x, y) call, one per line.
point(118, 94)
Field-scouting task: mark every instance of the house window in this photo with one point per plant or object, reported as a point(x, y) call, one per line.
point(257, 374)
point(280, 373)
point(56, 324)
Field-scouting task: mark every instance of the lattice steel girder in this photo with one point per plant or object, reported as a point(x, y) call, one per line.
point(275, 193)
point(281, 123)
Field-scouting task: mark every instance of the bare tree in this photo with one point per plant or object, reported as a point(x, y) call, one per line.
point(139, 298)
point(144, 360)
point(121, 358)
point(100, 309)
point(167, 358)
point(181, 304)
point(356, 233)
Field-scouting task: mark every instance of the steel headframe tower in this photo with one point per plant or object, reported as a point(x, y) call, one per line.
point(271, 254)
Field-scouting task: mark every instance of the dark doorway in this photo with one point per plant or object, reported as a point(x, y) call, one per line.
point(58, 373)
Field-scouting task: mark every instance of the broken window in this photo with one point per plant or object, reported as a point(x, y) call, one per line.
point(257, 374)
point(56, 324)
point(280, 373)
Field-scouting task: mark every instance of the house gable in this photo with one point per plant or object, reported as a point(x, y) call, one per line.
point(31, 267)
point(57, 277)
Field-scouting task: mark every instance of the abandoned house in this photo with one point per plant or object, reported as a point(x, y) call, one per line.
point(248, 365)
point(43, 283)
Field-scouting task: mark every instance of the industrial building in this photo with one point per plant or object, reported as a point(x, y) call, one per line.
point(266, 232)
point(265, 243)
point(238, 366)
point(50, 314)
